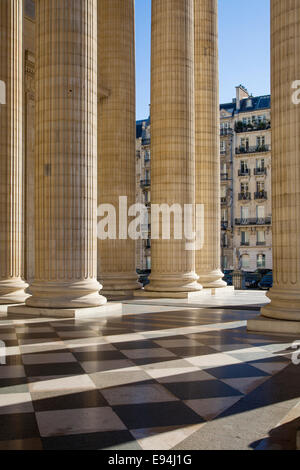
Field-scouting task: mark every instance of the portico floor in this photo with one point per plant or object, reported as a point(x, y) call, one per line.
point(160, 376)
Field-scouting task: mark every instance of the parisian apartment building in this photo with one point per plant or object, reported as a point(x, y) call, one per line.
point(245, 172)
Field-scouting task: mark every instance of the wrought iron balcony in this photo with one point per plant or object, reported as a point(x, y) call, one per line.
point(245, 243)
point(146, 141)
point(227, 131)
point(260, 243)
point(245, 172)
point(261, 195)
point(224, 177)
point(260, 171)
point(254, 221)
point(145, 183)
point(255, 126)
point(224, 225)
point(245, 196)
point(257, 149)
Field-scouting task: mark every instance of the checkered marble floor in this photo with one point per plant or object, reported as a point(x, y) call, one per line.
point(159, 380)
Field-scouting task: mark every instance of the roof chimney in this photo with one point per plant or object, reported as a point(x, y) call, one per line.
point(241, 93)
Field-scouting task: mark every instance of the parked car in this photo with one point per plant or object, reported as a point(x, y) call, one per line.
point(267, 282)
point(252, 280)
point(228, 277)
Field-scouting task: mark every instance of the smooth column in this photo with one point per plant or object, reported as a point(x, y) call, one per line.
point(282, 315)
point(172, 139)
point(66, 156)
point(116, 141)
point(12, 285)
point(207, 141)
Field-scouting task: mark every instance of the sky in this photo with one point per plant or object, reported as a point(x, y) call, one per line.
point(244, 49)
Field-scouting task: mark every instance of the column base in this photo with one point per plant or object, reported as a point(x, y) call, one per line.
point(179, 285)
point(266, 325)
point(212, 280)
point(115, 295)
point(196, 295)
point(12, 291)
point(65, 295)
point(120, 286)
point(94, 312)
point(285, 304)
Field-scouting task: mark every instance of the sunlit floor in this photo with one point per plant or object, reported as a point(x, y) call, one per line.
point(168, 378)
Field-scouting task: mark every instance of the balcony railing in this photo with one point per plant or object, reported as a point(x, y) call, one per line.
point(245, 243)
point(145, 183)
point(254, 221)
point(146, 141)
point(260, 171)
point(224, 225)
point(260, 243)
point(223, 200)
point(256, 149)
point(241, 127)
point(244, 196)
point(224, 177)
point(227, 131)
point(261, 195)
point(245, 172)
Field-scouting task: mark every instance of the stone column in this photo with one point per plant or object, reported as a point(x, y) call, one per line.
point(207, 141)
point(11, 153)
point(116, 140)
point(282, 315)
point(66, 156)
point(172, 140)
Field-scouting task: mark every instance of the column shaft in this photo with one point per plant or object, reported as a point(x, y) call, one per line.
point(11, 153)
point(285, 65)
point(66, 155)
point(207, 140)
point(172, 137)
point(116, 139)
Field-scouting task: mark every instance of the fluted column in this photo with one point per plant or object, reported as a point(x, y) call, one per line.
point(172, 138)
point(116, 139)
point(11, 153)
point(207, 140)
point(285, 59)
point(66, 156)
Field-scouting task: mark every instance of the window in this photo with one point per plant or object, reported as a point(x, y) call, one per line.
point(260, 212)
point(260, 186)
point(244, 166)
point(260, 141)
point(244, 213)
point(245, 143)
point(244, 188)
point(260, 164)
point(261, 237)
point(244, 238)
point(224, 215)
point(223, 146)
point(225, 262)
point(261, 261)
point(245, 261)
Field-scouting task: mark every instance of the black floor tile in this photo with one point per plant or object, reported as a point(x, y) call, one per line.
point(18, 426)
point(201, 389)
point(156, 415)
point(94, 441)
point(88, 399)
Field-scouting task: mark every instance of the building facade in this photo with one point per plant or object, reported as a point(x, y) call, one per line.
point(246, 198)
point(245, 169)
